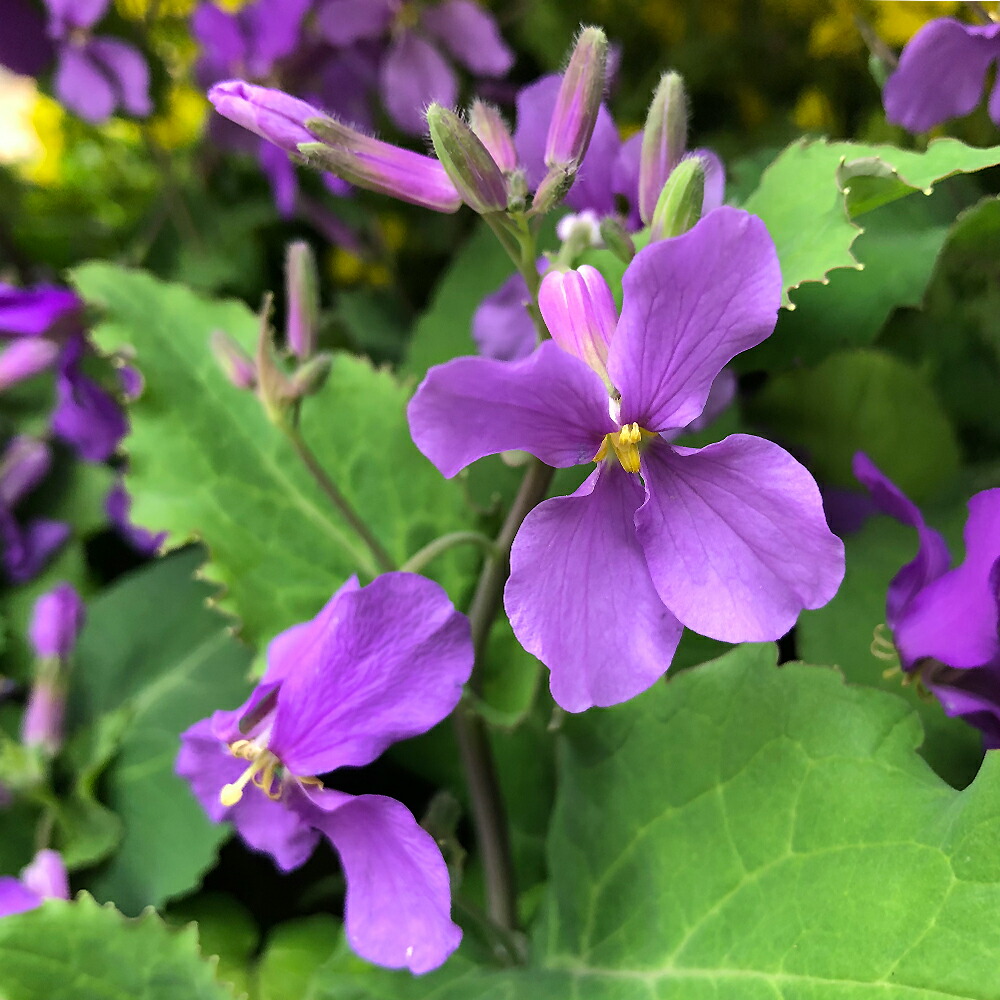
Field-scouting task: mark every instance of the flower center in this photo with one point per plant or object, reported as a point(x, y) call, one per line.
point(626, 445)
point(262, 772)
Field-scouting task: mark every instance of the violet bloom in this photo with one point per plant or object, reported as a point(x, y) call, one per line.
point(25, 546)
point(941, 74)
point(944, 620)
point(95, 76)
point(56, 621)
point(378, 664)
point(25, 48)
point(45, 878)
point(729, 540)
point(414, 73)
point(32, 312)
point(118, 506)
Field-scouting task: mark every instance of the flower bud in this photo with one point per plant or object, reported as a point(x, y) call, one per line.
point(617, 240)
point(378, 166)
point(56, 622)
point(554, 187)
point(273, 385)
point(491, 130)
point(25, 358)
point(234, 361)
point(271, 114)
point(311, 376)
point(664, 140)
point(578, 101)
point(302, 296)
point(24, 465)
point(679, 206)
point(42, 723)
point(467, 162)
point(46, 875)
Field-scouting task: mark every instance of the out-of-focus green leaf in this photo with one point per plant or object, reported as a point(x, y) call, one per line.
point(292, 954)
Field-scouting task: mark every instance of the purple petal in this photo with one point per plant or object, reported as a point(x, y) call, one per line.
point(346, 85)
point(941, 73)
point(691, 304)
point(15, 897)
point(274, 28)
point(580, 597)
point(75, 13)
point(25, 47)
point(550, 404)
point(470, 34)
point(118, 506)
point(25, 463)
point(126, 67)
point(414, 75)
point(219, 35)
point(26, 550)
point(33, 311)
point(56, 621)
point(86, 416)
point(502, 327)
point(264, 824)
point(81, 85)
point(715, 179)
point(25, 358)
point(398, 907)
point(344, 22)
point(954, 618)
point(46, 875)
point(735, 537)
point(388, 664)
point(579, 311)
point(932, 558)
point(972, 694)
point(280, 173)
point(271, 114)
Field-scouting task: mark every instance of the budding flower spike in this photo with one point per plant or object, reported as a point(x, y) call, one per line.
point(664, 140)
point(302, 298)
point(378, 664)
point(467, 162)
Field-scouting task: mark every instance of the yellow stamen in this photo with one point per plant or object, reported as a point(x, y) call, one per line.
point(625, 444)
point(261, 772)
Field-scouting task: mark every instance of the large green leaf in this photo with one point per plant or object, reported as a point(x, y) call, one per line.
point(155, 659)
point(82, 951)
point(206, 463)
point(810, 194)
point(743, 833)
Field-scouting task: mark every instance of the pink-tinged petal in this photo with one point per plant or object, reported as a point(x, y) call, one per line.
point(470, 35)
point(16, 897)
point(275, 30)
point(344, 22)
point(580, 597)
point(81, 85)
point(266, 825)
point(941, 73)
point(413, 76)
point(398, 906)
point(735, 537)
point(550, 404)
point(954, 618)
point(389, 663)
point(690, 305)
point(579, 311)
point(46, 875)
point(932, 558)
point(25, 358)
point(126, 67)
point(715, 179)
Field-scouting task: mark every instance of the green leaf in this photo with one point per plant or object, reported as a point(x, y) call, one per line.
point(293, 953)
point(206, 463)
point(743, 832)
point(811, 192)
point(863, 400)
point(82, 951)
point(155, 659)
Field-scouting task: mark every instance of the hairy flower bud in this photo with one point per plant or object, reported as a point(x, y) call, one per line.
point(578, 101)
point(554, 187)
point(378, 166)
point(679, 206)
point(234, 361)
point(311, 377)
point(492, 131)
point(273, 385)
point(42, 723)
point(467, 161)
point(302, 297)
point(271, 114)
point(617, 240)
point(664, 140)
point(25, 358)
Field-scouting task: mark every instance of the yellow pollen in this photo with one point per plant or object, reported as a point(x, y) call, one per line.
point(626, 446)
point(261, 772)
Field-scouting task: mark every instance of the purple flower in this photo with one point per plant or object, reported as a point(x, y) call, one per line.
point(729, 540)
point(31, 312)
point(378, 664)
point(26, 358)
point(118, 506)
point(941, 74)
point(944, 620)
point(25, 47)
point(56, 622)
point(95, 76)
point(25, 547)
point(414, 73)
point(45, 878)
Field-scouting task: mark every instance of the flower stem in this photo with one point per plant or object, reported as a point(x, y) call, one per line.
point(382, 558)
point(432, 550)
point(488, 812)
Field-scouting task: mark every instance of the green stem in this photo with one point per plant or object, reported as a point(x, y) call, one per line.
point(382, 558)
point(432, 550)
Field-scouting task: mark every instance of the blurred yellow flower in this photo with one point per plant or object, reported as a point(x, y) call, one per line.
point(814, 112)
point(895, 21)
point(18, 140)
point(139, 10)
point(347, 268)
point(48, 122)
point(182, 121)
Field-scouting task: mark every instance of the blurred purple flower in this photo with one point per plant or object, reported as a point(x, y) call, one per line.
point(25, 547)
point(45, 878)
point(25, 358)
point(31, 312)
point(941, 74)
point(56, 622)
point(25, 47)
point(944, 619)
point(602, 581)
point(118, 506)
point(378, 664)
